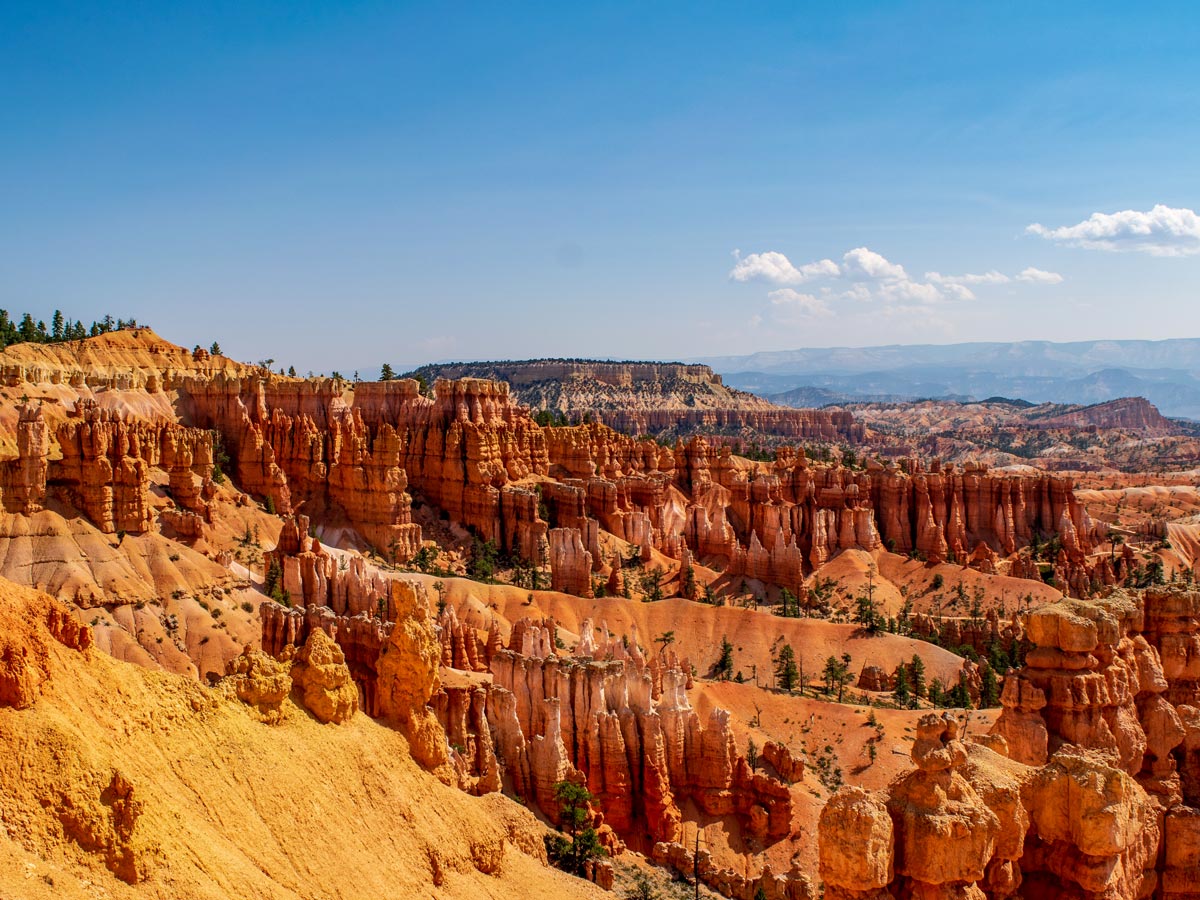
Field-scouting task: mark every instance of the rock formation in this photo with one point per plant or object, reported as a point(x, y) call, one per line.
point(261, 682)
point(654, 398)
point(1097, 798)
point(320, 673)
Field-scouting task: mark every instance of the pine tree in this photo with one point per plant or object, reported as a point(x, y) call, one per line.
point(786, 673)
point(837, 674)
point(902, 690)
point(989, 689)
point(937, 692)
point(724, 668)
point(960, 696)
point(918, 675)
point(386, 373)
point(790, 603)
point(56, 326)
point(215, 349)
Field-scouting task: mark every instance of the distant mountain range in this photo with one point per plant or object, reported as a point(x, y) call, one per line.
point(1165, 372)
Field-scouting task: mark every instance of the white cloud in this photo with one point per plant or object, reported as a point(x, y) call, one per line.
point(992, 277)
point(864, 277)
point(1039, 276)
point(775, 268)
point(866, 263)
point(796, 303)
point(1163, 231)
point(910, 291)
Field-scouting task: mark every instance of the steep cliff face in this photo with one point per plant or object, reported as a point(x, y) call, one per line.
point(23, 480)
point(106, 463)
point(1128, 414)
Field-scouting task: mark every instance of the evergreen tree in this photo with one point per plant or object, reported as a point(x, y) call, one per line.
point(689, 583)
point(273, 583)
point(56, 326)
point(573, 856)
point(865, 604)
point(902, 691)
point(937, 692)
point(989, 690)
point(959, 696)
point(918, 675)
point(386, 373)
point(786, 672)
point(724, 667)
point(837, 674)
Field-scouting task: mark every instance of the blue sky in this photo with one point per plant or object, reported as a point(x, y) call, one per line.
point(336, 185)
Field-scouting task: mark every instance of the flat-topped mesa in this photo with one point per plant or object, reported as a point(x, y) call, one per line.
point(791, 424)
point(655, 398)
point(521, 374)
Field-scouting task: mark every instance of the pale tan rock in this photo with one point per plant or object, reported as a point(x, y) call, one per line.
point(857, 841)
point(261, 682)
point(319, 671)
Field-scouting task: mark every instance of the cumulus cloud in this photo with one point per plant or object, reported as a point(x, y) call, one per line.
point(1163, 231)
point(1039, 276)
point(866, 277)
point(868, 264)
point(775, 268)
point(798, 304)
point(992, 277)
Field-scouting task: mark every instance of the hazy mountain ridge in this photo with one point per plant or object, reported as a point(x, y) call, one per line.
point(1165, 372)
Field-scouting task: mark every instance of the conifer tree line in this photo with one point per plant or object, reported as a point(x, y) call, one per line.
point(29, 331)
